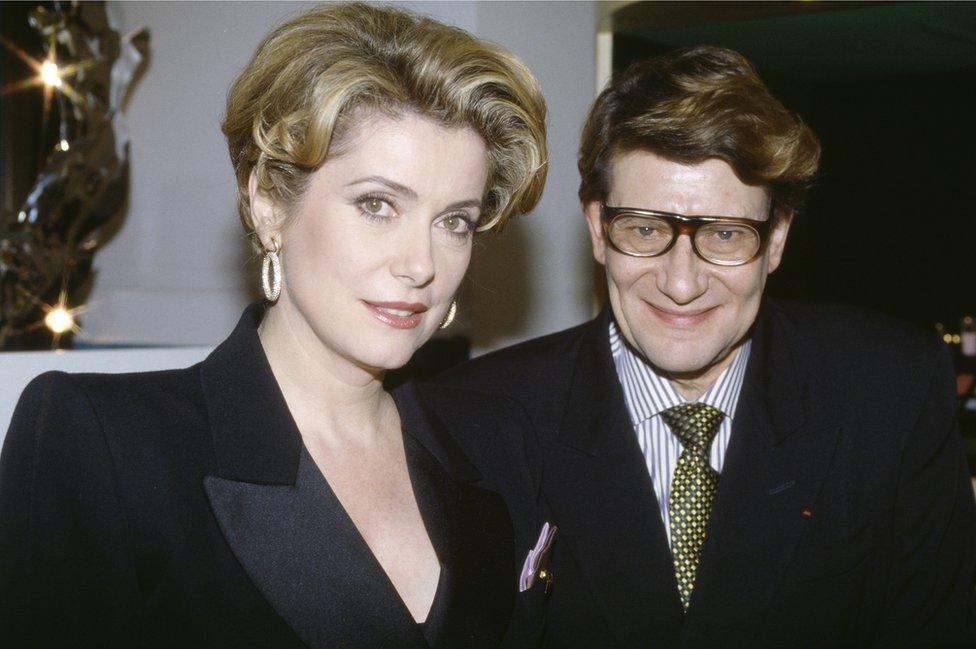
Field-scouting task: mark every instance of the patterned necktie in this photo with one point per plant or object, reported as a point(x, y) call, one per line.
point(692, 489)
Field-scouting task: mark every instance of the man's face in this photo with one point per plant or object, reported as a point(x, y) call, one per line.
point(683, 314)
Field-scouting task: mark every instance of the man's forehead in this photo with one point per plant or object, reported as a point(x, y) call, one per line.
point(711, 187)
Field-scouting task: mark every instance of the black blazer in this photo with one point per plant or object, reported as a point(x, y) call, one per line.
point(180, 509)
point(844, 515)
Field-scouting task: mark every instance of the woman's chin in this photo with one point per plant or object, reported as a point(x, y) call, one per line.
point(379, 361)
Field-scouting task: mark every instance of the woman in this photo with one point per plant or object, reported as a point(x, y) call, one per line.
point(274, 495)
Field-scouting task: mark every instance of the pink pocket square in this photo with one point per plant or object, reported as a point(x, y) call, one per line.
point(537, 558)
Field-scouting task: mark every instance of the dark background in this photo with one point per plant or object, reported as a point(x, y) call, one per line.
point(25, 140)
point(890, 89)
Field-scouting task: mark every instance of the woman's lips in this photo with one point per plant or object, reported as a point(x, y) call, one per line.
point(399, 315)
point(681, 318)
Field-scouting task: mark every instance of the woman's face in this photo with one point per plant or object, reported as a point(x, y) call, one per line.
point(376, 248)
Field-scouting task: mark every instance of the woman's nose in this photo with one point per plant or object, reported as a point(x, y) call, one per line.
point(413, 260)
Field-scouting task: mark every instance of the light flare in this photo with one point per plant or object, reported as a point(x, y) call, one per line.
point(59, 320)
point(50, 74)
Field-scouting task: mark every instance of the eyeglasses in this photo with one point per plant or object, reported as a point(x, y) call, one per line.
point(721, 240)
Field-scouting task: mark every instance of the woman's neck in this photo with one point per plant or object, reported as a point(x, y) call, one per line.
point(330, 397)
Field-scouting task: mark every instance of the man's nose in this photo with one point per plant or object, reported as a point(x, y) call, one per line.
point(682, 276)
point(413, 259)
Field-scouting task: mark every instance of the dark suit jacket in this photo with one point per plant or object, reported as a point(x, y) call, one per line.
point(180, 509)
point(844, 514)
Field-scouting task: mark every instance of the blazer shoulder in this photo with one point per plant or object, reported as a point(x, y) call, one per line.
point(520, 367)
point(54, 433)
point(472, 415)
point(51, 399)
point(494, 434)
point(840, 331)
point(68, 417)
point(64, 528)
point(133, 388)
point(57, 399)
point(462, 397)
point(851, 359)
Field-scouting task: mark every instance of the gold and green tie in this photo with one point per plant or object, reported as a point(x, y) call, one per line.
point(692, 489)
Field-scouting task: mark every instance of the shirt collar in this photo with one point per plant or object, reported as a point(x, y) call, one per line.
point(647, 393)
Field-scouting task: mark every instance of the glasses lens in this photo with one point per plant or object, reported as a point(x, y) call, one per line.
point(727, 243)
point(640, 235)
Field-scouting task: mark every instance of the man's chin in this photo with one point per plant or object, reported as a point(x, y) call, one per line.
point(680, 363)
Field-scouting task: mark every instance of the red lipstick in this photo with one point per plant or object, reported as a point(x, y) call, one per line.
point(399, 315)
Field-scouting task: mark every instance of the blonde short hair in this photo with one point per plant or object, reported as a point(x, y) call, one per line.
point(314, 75)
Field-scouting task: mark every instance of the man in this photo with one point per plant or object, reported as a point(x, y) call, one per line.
point(726, 470)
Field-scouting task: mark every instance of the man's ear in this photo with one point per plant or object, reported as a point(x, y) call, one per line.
point(777, 240)
point(266, 216)
point(591, 210)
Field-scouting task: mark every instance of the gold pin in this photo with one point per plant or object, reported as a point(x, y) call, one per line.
point(546, 577)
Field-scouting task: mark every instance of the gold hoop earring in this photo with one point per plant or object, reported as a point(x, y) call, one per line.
point(449, 318)
point(271, 273)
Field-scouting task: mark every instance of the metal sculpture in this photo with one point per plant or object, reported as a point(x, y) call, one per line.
point(46, 249)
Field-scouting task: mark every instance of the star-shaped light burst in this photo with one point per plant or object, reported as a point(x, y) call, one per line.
point(60, 319)
point(49, 74)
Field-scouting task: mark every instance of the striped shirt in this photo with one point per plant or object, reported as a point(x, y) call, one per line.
point(647, 395)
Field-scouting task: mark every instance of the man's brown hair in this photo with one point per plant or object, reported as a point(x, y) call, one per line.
point(693, 104)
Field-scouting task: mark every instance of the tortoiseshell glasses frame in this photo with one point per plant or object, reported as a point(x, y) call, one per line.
point(751, 235)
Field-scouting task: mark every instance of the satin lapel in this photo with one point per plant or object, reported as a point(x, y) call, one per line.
point(596, 482)
point(254, 436)
point(775, 464)
point(469, 528)
point(306, 557)
point(278, 514)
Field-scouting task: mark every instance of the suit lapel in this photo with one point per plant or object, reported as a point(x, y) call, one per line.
point(775, 463)
point(468, 526)
point(280, 518)
point(596, 482)
point(304, 554)
point(254, 436)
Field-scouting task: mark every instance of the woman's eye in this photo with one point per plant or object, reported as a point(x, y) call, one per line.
point(456, 224)
point(374, 206)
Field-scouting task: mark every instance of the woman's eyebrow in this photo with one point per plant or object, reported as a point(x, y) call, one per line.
point(392, 184)
point(409, 193)
point(471, 202)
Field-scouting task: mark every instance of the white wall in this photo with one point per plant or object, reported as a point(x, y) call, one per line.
point(177, 272)
point(536, 277)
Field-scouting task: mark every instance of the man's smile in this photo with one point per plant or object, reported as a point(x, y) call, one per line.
point(681, 317)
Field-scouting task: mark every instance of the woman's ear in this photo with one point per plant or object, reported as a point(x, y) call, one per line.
point(266, 216)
